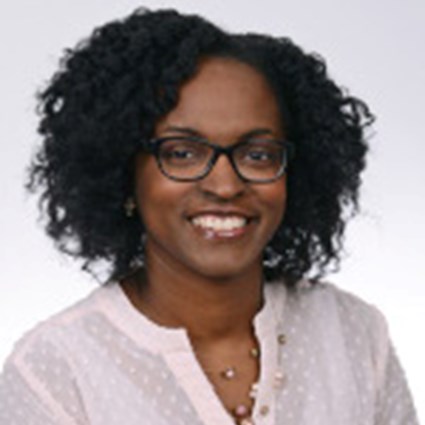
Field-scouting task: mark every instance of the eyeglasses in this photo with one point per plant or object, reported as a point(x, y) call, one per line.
point(188, 158)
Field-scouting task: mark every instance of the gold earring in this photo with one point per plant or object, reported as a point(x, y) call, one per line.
point(129, 207)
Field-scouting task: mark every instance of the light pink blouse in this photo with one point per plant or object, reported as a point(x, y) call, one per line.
point(101, 362)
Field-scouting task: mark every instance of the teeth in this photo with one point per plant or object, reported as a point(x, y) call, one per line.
point(219, 223)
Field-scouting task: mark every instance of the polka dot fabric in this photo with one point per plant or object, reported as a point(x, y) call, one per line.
point(326, 358)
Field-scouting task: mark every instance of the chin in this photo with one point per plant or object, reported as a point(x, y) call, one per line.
point(226, 270)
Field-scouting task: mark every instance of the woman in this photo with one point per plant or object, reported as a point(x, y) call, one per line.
point(212, 173)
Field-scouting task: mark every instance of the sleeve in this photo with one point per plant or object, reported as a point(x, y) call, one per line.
point(394, 404)
point(37, 387)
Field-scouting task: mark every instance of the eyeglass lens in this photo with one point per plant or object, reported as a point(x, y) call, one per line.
point(255, 160)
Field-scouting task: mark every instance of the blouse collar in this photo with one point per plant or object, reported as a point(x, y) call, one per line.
point(162, 339)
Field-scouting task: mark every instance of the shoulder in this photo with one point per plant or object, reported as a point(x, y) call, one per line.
point(327, 298)
point(321, 293)
point(43, 371)
point(336, 322)
point(352, 310)
point(330, 310)
point(61, 331)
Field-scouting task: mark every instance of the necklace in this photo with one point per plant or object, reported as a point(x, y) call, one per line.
point(229, 375)
point(242, 413)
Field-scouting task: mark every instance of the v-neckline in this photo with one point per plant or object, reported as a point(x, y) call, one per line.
point(174, 345)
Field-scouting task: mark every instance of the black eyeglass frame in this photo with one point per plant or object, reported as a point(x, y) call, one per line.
point(153, 147)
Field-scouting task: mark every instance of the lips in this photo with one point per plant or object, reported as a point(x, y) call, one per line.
point(221, 224)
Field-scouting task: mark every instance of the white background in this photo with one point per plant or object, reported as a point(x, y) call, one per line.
point(375, 48)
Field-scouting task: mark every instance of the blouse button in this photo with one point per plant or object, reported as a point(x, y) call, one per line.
point(281, 339)
point(264, 410)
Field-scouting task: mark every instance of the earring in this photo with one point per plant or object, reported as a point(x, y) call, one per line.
point(129, 207)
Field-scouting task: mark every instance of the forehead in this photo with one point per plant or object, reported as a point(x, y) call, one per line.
point(225, 96)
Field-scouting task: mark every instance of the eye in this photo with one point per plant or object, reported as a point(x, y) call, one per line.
point(260, 152)
point(183, 152)
point(259, 155)
point(178, 153)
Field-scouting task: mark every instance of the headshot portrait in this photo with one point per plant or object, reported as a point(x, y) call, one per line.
point(212, 214)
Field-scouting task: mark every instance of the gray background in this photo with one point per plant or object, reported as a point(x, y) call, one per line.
point(375, 48)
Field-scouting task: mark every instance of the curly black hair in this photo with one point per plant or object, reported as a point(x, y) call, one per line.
point(113, 87)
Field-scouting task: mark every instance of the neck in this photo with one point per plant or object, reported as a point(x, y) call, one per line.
point(210, 309)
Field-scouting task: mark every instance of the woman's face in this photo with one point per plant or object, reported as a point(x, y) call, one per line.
point(216, 227)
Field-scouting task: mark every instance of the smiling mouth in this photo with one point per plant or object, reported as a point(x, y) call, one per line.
point(219, 223)
point(215, 226)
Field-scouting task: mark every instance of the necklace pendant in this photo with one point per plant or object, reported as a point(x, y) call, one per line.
point(229, 373)
point(241, 411)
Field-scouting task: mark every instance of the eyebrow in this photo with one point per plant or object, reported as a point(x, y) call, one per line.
point(193, 132)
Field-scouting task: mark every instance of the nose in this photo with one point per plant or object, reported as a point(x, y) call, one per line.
point(222, 181)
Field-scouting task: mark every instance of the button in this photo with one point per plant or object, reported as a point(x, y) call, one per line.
point(264, 410)
point(281, 339)
point(279, 379)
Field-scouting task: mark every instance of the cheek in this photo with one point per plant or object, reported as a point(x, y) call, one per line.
point(156, 195)
point(274, 197)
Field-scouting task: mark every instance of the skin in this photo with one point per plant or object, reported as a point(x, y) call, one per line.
point(210, 286)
